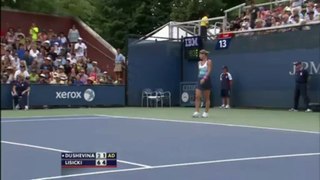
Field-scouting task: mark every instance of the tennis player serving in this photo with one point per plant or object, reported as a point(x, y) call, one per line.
point(203, 83)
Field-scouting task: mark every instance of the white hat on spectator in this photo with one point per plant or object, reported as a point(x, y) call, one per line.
point(63, 78)
point(56, 43)
point(61, 67)
point(105, 72)
point(42, 75)
point(48, 58)
point(55, 74)
point(287, 9)
point(79, 38)
point(94, 62)
point(47, 41)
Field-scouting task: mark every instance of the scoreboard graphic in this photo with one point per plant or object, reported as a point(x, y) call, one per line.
point(89, 160)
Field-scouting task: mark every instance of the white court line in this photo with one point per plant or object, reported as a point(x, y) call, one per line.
point(50, 119)
point(66, 151)
point(182, 165)
point(209, 123)
point(156, 119)
point(66, 115)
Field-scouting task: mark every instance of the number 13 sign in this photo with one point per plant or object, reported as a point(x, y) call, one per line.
point(223, 43)
point(224, 40)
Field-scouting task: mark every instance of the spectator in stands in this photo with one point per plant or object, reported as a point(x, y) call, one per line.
point(309, 7)
point(96, 69)
point(61, 72)
point(52, 53)
point(94, 73)
point(28, 44)
point(35, 65)
point(310, 16)
point(50, 34)
point(43, 79)
point(285, 19)
point(20, 92)
point(43, 36)
point(91, 81)
point(46, 46)
point(20, 39)
point(55, 40)
point(83, 76)
point(55, 78)
point(259, 24)
point(73, 74)
point(204, 26)
point(63, 39)
point(23, 70)
point(80, 49)
point(63, 80)
point(34, 30)
point(28, 58)
point(73, 59)
point(21, 51)
point(73, 36)
point(89, 66)
point(254, 14)
point(317, 12)
point(34, 77)
point(15, 61)
point(46, 67)
point(34, 51)
point(245, 25)
point(226, 83)
point(77, 81)
point(295, 19)
point(10, 75)
point(67, 67)
point(105, 78)
point(10, 37)
point(7, 55)
point(119, 62)
point(296, 4)
point(5, 62)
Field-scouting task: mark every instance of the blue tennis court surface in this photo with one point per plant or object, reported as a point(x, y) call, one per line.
point(156, 149)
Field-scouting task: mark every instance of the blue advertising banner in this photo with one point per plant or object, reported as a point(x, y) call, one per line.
point(187, 93)
point(105, 95)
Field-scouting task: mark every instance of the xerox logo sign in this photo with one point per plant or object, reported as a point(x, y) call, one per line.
point(88, 95)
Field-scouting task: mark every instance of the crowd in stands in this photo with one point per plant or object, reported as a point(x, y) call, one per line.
point(293, 12)
point(47, 57)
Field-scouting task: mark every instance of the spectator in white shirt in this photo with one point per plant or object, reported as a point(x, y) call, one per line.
point(317, 12)
point(295, 19)
point(310, 16)
point(34, 52)
point(80, 49)
point(22, 70)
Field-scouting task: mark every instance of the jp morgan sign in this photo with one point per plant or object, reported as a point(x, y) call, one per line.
point(313, 67)
point(87, 95)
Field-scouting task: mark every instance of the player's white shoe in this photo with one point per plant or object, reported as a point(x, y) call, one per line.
point(227, 107)
point(222, 106)
point(308, 110)
point(205, 115)
point(196, 114)
point(292, 109)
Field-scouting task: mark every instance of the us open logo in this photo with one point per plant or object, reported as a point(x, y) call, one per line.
point(185, 97)
point(89, 95)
